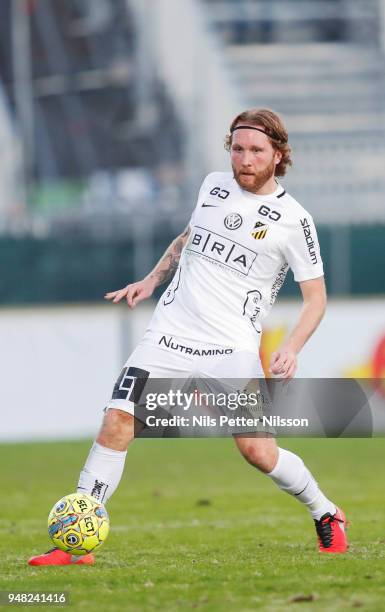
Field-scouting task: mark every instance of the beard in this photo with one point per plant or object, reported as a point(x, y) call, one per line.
point(255, 180)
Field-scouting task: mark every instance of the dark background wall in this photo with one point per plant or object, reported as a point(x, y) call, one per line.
point(64, 270)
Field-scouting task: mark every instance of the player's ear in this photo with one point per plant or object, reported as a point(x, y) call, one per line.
point(277, 157)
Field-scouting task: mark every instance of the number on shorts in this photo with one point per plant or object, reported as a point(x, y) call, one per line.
point(130, 382)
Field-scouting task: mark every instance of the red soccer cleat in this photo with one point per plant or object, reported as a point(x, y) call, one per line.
point(55, 556)
point(331, 532)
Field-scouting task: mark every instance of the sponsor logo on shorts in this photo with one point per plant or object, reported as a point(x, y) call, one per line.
point(221, 250)
point(188, 350)
point(233, 221)
point(309, 240)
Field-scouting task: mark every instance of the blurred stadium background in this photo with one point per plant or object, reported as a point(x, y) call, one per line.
point(111, 113)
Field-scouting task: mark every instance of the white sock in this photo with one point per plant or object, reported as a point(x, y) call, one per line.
point(102, 472)
point(292, 476)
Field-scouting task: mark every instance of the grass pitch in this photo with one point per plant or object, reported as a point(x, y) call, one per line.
point(193, 526)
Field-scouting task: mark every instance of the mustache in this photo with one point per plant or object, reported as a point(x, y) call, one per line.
point(260, 177)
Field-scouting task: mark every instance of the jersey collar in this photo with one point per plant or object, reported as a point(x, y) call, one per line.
point(277, 194)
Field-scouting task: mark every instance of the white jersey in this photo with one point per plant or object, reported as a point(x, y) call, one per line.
point(234, 263)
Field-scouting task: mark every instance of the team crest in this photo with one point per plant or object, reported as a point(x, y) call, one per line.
point(259, 231)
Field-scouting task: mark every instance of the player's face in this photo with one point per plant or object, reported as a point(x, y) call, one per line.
point(253, 159)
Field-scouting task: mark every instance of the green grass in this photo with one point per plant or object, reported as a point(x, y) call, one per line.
point(195, 527)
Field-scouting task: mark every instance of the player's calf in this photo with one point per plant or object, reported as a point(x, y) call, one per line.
point(104, 467)
point(117, 430)
point(260, 452)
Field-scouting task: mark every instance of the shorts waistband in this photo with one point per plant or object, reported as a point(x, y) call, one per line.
point(183, 345)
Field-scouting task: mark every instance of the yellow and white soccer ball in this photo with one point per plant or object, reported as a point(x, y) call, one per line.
point(78, 524)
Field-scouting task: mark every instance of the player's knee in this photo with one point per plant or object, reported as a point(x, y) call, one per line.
point(117, 429)
point(260, 456)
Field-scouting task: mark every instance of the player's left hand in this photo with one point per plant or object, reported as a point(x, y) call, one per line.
point(283, 363)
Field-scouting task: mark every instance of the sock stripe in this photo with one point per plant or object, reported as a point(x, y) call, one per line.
point(305, 487)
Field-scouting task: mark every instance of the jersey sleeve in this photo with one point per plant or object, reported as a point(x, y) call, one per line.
point(302, 251)
point(192, 218)
point(199, 201)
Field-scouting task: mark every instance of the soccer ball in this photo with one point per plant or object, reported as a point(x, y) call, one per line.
point(78, 524)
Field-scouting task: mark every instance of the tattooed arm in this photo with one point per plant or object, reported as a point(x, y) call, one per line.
point(163, 271)
point(167, 265)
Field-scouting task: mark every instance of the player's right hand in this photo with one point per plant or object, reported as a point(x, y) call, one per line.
point(134, 293)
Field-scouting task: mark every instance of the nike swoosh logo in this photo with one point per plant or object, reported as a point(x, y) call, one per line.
point(209, 206)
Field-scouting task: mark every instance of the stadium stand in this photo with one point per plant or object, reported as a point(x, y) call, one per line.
point(94, 120)
point(322, 68)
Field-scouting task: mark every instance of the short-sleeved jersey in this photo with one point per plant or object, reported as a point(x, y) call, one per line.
point(234, 263)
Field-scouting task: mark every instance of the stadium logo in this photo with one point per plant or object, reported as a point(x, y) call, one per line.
point(233, 221)
point(221, 250)
point(259, 231)
point(309, 240)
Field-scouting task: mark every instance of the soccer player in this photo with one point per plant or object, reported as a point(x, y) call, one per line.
point(225, 269)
